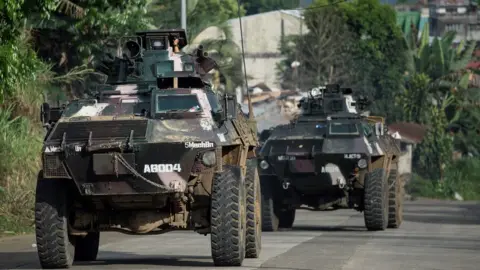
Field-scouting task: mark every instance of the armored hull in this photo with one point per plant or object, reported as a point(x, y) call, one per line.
point(145, 156)
point(327, 162)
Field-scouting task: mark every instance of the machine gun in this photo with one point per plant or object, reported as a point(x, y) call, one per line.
point(329, 99)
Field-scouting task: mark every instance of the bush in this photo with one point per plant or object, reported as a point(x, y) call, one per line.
point(20, 145)
point(23, 78)
point(462, 177)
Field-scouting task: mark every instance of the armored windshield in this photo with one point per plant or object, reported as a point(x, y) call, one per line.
point(114, 106)
point(181, 103)
point(341, 128)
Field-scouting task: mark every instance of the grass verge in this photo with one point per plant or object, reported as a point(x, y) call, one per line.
point(20, 145)
point(461, 177)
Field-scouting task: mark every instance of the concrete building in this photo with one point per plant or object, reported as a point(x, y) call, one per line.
point(457, 15)
point(262, 34)
point(409, 135)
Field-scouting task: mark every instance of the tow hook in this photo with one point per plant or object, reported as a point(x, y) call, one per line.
point(285, 185)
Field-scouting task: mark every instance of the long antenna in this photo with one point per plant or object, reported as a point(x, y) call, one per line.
point(250, 108)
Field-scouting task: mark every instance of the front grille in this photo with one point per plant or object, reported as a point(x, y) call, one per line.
point(53, 167)
point(100, 129)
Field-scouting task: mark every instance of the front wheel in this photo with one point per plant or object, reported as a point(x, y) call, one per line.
point(55, 247)
point(376, 200)
point(228, 217)
point(396, 193)
point(287, 218)
point(86, 247)
point(254, 219)
point(270, 219)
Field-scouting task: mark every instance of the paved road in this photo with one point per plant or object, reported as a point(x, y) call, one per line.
point(435, 235)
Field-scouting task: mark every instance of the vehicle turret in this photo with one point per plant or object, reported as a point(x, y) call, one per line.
point(155, 57)
point(330, 99)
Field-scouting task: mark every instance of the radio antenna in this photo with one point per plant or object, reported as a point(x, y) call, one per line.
point(250, 108)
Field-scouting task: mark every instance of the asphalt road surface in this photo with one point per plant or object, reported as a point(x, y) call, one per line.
point(434, 235)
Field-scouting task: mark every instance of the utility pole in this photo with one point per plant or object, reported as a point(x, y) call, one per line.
point(184, 14)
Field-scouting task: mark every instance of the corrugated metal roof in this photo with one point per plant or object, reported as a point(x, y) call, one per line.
point(410, 131)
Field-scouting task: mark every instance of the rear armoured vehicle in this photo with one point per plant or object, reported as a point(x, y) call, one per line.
point(156, 150)
point(330, 156)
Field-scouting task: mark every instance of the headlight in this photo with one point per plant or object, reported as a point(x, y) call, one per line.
point(209, 158)
point(362, 163)
point(264, 165)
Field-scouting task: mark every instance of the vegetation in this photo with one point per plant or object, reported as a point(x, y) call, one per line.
point(355, 43)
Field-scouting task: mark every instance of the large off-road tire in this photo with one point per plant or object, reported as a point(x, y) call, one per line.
point(376, 200)
point(395, 203)
point(54, 247)
point(86, 248)
point(270, 219)
point(254, 219)
point(286, 219)
point(228, 217)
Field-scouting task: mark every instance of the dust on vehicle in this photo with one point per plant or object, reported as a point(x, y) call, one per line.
point(331, 156)
point(156, 150)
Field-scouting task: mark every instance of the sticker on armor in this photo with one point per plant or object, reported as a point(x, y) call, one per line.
point(199, 145)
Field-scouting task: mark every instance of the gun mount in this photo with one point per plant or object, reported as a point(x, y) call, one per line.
point(155, 57)
point(331, 99)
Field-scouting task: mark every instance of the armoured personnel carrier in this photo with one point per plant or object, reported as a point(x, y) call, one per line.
point(330, 156)
point(156, 150)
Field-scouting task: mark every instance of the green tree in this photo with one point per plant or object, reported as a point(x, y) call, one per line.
point(368, 45)
point(437, 94)
point(379, 52)
point(78, 32)
point(317, 51)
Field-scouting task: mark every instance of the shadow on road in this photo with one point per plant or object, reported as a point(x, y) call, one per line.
point(339, 228)
point(117, 258)
point(29, 260)
point(456, 213)
point(317, 210)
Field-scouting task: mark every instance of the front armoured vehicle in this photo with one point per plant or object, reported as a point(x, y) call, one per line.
point(156, 150)
point(330, 156)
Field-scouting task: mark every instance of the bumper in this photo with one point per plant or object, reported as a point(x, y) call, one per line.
point(308, 173)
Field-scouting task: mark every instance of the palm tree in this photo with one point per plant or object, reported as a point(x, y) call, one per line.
point(437, 94)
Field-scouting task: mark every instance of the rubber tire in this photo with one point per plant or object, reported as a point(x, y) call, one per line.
point(376, 200)
point(254, 219)
point(287, 218)
point(395, 203)
point(54, 247)
point(86, 248)
point(228, 217)
point(270, 219)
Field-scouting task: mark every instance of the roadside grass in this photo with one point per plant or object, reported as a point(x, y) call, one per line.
point(20, 145)
point(461, 177)
point(23, 78)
